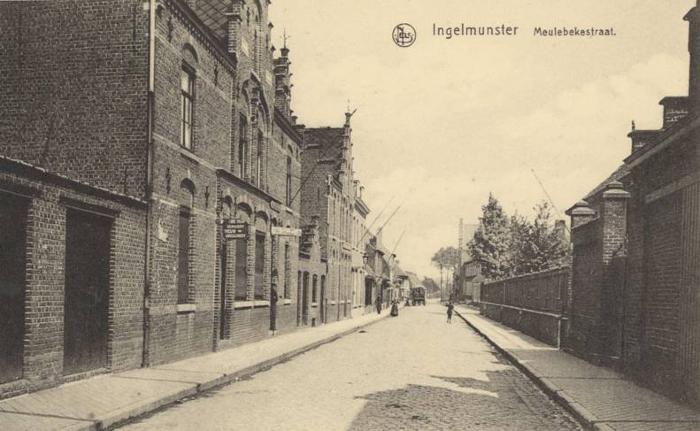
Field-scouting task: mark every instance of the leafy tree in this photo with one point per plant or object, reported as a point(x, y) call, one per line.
point(447, 258)
point(431, 286)
point(547, 247)
point(492, 241)
point(520, 248)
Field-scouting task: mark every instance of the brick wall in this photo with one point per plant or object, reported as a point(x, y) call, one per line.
point(598, 264)
point(49, 197)
point(532, 303)
point(660, 337)
point(74, 89)
point(177, 331)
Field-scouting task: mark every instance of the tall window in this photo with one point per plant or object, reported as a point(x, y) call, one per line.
point(183, 257)
point(314, 289)
point(187, 114)
point(259, 265)
point(287, 275)
point(289, 181)
point(242, 145)
point(258, 161)
point(241, 290)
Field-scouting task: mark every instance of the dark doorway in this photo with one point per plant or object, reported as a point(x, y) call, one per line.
point(305, 300)
point(368, 293)
point(86, 291)
point(241, 293)
point(259, 265)
point(323, 299)
point(299, 298)
point(222, 291)
point(13, 238)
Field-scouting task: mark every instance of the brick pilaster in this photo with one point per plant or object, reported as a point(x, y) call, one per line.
point(580, 214)
point(250, 262)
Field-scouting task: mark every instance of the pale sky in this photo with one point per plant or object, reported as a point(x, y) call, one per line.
point(444, 122)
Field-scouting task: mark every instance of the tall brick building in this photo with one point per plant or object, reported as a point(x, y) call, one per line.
point(333, 197)
point(635, 293)
point(149, 164)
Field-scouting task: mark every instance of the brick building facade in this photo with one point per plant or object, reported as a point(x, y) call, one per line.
point(635, 262)
point(332, 196)
point(167, 110)
point(71, 265)
point(149, 153)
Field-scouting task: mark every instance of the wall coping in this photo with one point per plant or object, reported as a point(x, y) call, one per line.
point(563, 268)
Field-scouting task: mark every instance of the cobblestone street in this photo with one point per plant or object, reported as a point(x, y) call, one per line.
point(410, 372)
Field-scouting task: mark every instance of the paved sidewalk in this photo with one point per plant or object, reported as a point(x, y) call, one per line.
point(103, 401)
point(599, 397)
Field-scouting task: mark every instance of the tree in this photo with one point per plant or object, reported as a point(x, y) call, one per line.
point(431, 286)
point(520, 248)
point(547, 246)
point(446, 258)
point(492, 241)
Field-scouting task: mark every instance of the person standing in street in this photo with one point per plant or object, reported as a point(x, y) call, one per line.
point(273, 302)
point(450, 308)
point(378, 304)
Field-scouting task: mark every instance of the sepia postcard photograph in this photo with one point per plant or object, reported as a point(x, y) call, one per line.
point(349, 215)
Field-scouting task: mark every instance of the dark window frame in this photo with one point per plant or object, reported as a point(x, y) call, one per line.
point(187, 106)
point(289, 181)
point(184, 255)
point(243, 147)
point(259, 266)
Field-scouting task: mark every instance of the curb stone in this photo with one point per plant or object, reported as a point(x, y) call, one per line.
point(124, 416)
point(586, 418)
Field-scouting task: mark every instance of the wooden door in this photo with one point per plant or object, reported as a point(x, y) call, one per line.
point(13, 216)
point(86, 292)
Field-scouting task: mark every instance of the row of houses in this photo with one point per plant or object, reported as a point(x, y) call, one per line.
point(158, 196)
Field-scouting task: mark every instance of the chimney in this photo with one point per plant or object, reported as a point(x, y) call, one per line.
point(675, 109)
point(693, 18)
point(641, 138)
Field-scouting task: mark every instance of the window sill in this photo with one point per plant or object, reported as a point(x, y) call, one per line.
point(287, 302)
point(186, 308)
point(314, 304)
point(258, 303)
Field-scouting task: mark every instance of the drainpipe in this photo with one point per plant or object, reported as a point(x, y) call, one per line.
point(146, 361)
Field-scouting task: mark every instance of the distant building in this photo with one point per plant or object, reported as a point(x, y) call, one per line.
point(331, 194)
point(468, 282)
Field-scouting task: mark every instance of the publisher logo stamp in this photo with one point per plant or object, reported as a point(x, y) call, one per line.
point(404, 35)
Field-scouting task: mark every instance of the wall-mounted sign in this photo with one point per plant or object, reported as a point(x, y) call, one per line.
point(285, 231)
point(236, 231)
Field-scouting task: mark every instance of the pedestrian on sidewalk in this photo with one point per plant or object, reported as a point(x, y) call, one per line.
point(273, 302)
point(378, 304)
point(450, 307)
point(395, 308)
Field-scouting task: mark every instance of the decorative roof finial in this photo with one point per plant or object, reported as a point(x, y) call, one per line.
point(634, 126)
point(285, 38)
